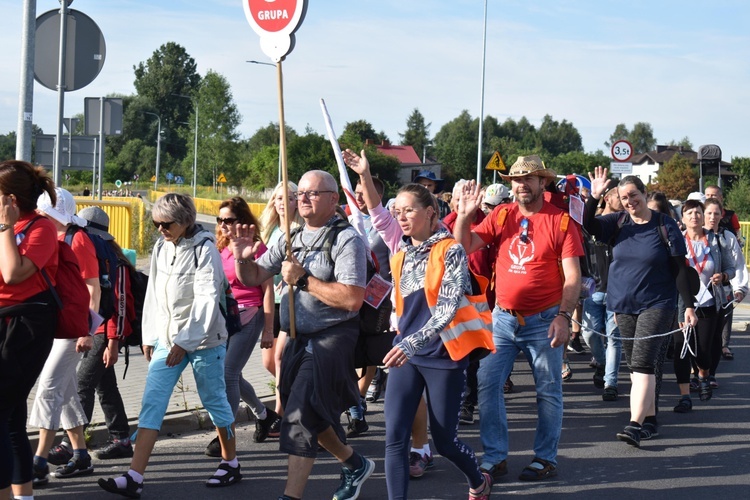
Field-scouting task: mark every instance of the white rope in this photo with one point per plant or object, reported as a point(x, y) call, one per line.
point(657, 335)
point(687, 332)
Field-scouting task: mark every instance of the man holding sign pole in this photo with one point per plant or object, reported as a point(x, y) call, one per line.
point(317, 380)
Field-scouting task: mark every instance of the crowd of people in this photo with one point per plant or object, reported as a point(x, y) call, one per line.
point(475, 280)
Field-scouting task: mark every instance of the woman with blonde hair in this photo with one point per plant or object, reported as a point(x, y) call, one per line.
point(272, 229)
point(256, 315)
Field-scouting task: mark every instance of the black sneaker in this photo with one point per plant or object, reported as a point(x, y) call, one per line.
point(115, 449)
point(630, 435)
point(684, 405)
point(60, 454)
point(263, 427)
point(649, 430)
point(352, 480)
point(75, 467)
point(576, 346)
point(465, 416)
point(610, 393)
point(214, 448)
point(357, 427)
point(599, 377)
point(41, 476)
point(275, 430)
point(131, 489)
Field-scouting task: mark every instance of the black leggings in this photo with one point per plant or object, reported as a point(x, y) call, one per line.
point(25, 342)
point(707, 332)
point(642, 353)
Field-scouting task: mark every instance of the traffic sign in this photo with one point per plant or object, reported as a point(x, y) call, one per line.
point(275, 24)
point(222, 179)
point(136, 177)
point(179, 179)
point(170, 176)
point(496, 163)
point(622, 150)
point(622, 168)
point(118, 183)
point(153, 178)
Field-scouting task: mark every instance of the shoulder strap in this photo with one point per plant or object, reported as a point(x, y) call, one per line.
point(502, 214)
point(70, 232)
point(663, 232)
point(623, 217)
point(195, 249)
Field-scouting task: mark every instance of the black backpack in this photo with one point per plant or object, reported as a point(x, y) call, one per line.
point(107, 268)
point(372, 321)
point(138, 285)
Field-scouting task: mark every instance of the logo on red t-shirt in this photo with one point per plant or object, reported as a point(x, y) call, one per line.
point(520, 253)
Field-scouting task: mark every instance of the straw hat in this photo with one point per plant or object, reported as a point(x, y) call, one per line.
point(528, 165)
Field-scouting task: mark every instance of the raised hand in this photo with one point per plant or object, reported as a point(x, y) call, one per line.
point(469, 199)
point(241, 241)
point(598, 181)
point(357, 162)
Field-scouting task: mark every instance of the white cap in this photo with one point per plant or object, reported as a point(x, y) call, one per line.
point(495, 194)
point(697, 196)
point(64, 211)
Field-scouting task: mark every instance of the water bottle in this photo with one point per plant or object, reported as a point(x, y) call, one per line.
point(588, 287)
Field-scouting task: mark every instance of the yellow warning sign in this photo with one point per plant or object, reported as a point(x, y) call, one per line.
point(496, 163)
point(153, 178)
point(222, 179)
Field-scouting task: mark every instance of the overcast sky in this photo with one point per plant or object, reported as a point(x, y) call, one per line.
point(682, 66)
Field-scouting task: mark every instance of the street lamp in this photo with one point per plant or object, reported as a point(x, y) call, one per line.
point(273, 65)
point(195, 148)
point(158, 146)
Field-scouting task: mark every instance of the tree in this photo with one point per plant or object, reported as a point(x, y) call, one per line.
point(456, 146)
point(417, 132)
point(218, 119)
point(269, 136)
point(738, 199)
point(684, 143)
point(558, 138)
point(676, 178)
point(169, 72)
point(642, 138)
point(357, 133)
point(621, 133)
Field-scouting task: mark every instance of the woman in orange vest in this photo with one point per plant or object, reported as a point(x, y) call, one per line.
point(438, 326)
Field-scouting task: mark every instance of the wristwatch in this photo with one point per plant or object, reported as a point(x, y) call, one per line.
point(5, 227)
point(302, 282)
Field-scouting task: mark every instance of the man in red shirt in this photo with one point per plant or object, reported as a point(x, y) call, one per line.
point(538, 282)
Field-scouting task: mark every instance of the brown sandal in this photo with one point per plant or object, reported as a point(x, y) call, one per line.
point(534, 473)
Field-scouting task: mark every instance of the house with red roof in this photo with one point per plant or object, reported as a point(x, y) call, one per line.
point(411, 165)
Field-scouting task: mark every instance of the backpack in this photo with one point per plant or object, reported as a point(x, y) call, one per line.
point(372, 321)
point(138, 285)
point(107, 267)
point(70, 292)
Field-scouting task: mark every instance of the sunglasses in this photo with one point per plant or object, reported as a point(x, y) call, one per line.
point(164, 225)
point(524, 230)
point(228, 221)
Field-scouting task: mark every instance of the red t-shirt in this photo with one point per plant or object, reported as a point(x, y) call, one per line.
point(528, 275)
point(85, 252)
point(39, 245)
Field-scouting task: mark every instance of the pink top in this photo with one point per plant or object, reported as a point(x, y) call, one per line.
point(387, 227)
point(247, 296)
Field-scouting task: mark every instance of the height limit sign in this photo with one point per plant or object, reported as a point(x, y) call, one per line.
point(621, 151)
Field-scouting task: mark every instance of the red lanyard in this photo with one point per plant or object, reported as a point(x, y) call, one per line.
point(702, 265)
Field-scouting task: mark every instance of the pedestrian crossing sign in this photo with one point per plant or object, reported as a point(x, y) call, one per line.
point(496, 163)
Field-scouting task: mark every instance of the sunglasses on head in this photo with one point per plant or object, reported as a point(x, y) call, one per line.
point(164, 225)
point(228, 220)
point(524, 230)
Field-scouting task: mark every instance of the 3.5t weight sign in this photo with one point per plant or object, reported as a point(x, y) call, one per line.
point(622, 151)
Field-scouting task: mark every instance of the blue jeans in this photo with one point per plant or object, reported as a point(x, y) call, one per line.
point(546, 366)
point(607, 350)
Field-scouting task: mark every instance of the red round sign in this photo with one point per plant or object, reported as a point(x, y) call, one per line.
point(273, 16)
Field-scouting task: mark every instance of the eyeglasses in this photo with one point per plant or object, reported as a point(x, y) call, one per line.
point(408, 212)
point(164, 225)
point(525, 230)
point(311, 195)
point(228, 221)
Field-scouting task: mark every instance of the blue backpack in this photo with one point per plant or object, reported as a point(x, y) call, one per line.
point(107, 268)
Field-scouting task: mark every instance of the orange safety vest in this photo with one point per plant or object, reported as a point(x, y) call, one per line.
point(471, 328)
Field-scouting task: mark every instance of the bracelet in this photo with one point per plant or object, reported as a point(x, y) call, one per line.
point(242, 261)
point(565, 315)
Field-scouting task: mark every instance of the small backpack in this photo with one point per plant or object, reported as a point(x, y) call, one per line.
point(70, 292)
point(107, 259)
point(372, 321)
